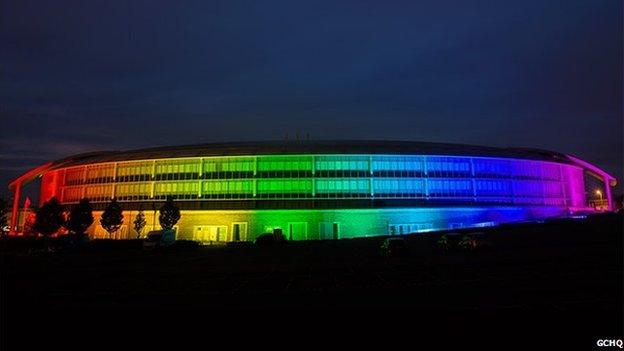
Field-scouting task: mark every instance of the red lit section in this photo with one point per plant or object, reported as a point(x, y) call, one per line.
point(50, 185)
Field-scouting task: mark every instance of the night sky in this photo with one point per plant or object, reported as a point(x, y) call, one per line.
point(78, 76)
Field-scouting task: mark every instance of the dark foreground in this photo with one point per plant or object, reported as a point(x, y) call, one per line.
point(567, 271)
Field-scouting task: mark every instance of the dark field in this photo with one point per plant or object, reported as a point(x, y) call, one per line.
point(564, 268)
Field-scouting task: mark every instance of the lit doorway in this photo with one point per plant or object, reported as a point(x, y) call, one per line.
point(239, 231)
point(297, 230)
point(329, 231)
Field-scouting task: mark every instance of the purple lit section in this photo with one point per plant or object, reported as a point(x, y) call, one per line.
point(575, 187)
point(608, 179)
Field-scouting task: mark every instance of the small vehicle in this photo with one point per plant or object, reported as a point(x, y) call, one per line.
point(152, 240)
point(463, 242)
point(393, 247)
point(159, 238)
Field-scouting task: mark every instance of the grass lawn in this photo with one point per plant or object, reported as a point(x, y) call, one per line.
point(562, 267)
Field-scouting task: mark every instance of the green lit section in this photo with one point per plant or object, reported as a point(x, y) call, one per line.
point(342, 186)
point(229, 164)
point(291, 163)
point(284, 186)
point(355, 163)
point(177, 166)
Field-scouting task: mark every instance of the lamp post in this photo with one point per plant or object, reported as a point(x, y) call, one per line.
point(600, 204)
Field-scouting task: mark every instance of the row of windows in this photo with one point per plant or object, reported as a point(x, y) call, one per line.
point(284, 186)
point(342, 185)
point(100, 173)
point(518, 188)
point(74, 176)
point(449, 188)
point(134, 169)
point(339, 195)
point(170, 188)
point(352, 163)
point(516, 168)
point(99, 193)
point(72, 194)
point(303, 188)
point(268, 164)
point(229, 187)
point(184, 166)
point(140, 189)
point(276, 174)
point(307, 166)
point(238, 164)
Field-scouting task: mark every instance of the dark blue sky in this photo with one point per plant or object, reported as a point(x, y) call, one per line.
point(80, 76)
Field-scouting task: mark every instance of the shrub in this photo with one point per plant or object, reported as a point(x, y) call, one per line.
point(49, 218)
point(112, 217)
point(169, 214)
point(270, 239)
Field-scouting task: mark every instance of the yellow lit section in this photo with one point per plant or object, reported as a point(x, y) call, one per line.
point(220, 187)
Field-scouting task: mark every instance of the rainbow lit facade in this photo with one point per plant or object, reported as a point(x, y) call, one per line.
point(326, 190)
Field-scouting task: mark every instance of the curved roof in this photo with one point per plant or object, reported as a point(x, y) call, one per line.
point(362, 147)
point(309, 147)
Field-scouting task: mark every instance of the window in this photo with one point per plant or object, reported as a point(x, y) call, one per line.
point(133, 191)
point(342, 163)
point(449, 188)
point(398, 187)
point(99, 193)
point(526, 169)
point(177, 169)
point(134, 171)
point(229, 167)
point(284, 188)
point(71, 194)
point(178, 190)
point(101, 173)
point(492, 168)
point(398, 166)
point(74, 176)
point(342, 187)
point(529, 188)
point(268, 164)
point(492, 187)
point(448, 167)
point(226, 189)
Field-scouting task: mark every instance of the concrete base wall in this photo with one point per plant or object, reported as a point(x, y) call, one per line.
point(221, 226)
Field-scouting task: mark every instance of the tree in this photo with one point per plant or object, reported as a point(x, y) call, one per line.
point(80, 218)
point(3, 216)
point(29, 225)
point(169, 214)
point(112, 217)
point(139, 223)
point(49, 218)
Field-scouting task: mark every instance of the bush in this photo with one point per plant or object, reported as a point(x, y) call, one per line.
point(185, 245)
point(113, 244)
point(70, 242)
point(444, 242)
point(270, 239)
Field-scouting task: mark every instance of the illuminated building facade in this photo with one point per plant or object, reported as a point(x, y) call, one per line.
point(326, 189)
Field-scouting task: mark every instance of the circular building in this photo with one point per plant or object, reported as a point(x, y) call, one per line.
point(317, 190)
